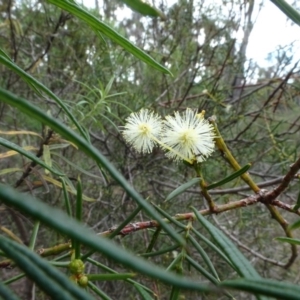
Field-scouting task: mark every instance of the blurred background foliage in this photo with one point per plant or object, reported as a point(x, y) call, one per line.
point(204, 45)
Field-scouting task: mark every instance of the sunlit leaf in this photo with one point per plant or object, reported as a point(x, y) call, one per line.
point(10, 170)
point(288, 10)
point(288, 240)
point(13, 152)
point(47, 157)
point(29, 155)
point(16, 132)
point(143, 8)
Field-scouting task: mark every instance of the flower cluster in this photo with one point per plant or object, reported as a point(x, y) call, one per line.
point(186, 136)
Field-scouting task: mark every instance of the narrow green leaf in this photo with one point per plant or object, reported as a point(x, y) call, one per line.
point(106, 268)
point(34, 234)
point(204, 256)
point(96, 290)
point(75, 165)
point(241, 264)
point(109, 32)
point(201, 270)
point(10, 170)
point(175, 292)
point(28, 154)
point(288, 10)
point(108, 87)
point(4, 54)
point(272, 288)
point(6, 293)
point(206, 274)
point(238, 260)
point(213, 247)
point(170, 218)
point(288, 240)
point(66, 196)
point(15, 278)
point(78, 216)
point(39, 87)
point(48, 278)
point(160, 252)
point(230, 177)
point(182, 188)
point(143, 292)
point(88, 149)
point(153, 240)
point(125, 222)
point(47, 157)
point(58, 220)
point(105, 277)
point(143, 8)
point(295, 225)
point(176, 261)
point(297, 206)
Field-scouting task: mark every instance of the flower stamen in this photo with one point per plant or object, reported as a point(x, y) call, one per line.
point(190, 135)
point(142, 129)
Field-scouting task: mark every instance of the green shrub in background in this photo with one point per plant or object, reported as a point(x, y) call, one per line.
point(92, 181)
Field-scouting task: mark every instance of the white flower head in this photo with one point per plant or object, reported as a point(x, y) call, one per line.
point(190, 135)
point(142, 129)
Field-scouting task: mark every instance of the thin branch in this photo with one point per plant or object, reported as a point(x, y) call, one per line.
point(226, 191)
point(61, 21)
point(272, 95)
point(284, 183)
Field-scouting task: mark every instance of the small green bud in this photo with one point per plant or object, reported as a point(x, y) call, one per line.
point(83, 281)
point(76, 266)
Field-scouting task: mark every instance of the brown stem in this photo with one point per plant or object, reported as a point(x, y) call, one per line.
point(220, 143)
point(294, 168)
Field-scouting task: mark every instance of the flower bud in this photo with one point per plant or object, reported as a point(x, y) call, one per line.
point(76, 266)
point(83, 281)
